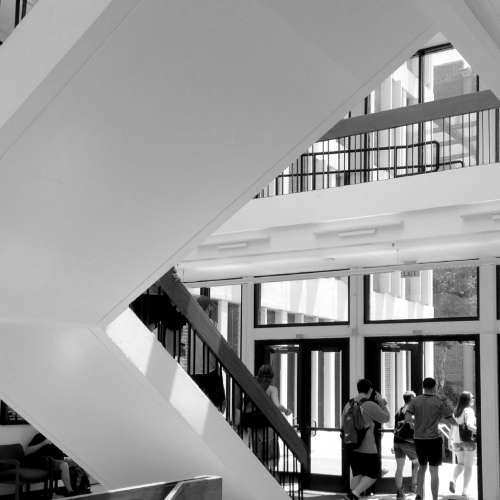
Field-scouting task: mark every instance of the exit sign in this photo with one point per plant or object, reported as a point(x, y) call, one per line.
point(412, 273)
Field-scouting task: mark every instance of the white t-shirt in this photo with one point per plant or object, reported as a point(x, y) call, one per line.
point(469, 417)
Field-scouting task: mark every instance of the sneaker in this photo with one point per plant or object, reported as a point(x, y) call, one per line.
point(418, 497)
point(351, 496)
point(452, 486)
point(413, 488)
point(400, 493)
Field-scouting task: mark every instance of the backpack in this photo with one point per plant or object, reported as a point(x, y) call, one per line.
point(353, 426)
point(80, 481)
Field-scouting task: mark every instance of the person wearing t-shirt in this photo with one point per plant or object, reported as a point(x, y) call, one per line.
point(425, 412)
point(364, 461)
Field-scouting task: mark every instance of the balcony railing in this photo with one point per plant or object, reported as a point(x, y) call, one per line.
point(206, 356)
point(442, 135)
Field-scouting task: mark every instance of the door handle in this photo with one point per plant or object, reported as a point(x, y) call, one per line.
point(313, 424)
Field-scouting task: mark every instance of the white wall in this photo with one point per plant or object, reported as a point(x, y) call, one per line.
point(135, 416)
point(123, 152)
point(324, 298)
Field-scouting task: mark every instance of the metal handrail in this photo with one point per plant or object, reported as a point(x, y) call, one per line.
point(450, 133)
point(209, 359)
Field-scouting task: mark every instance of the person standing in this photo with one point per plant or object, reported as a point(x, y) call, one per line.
point(465, 451)
point(364, 461)
point(404, 446)
point(259, 436)
point(425, 412)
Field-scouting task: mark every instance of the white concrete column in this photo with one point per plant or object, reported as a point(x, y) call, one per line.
point(396, 284)
point(385, 282)
point(299, 318)
point(281, 317)
point(488, 364)
point(468, 367)
point(401, 377)
point(247, 325)
point(415, 289)
point(222, 320)
point(329, 371)
point(283, 388)
point(392, 382)
point(426, 289)
point(314, 386)
point(263, 315)
point(428, 359)
point(384, 139)
point(286, 181)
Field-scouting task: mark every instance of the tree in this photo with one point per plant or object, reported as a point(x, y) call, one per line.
point(455, 292)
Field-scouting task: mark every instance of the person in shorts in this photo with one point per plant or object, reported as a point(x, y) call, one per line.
point(425, 412)
point(404, 446)
point(364, 461)
point(465, 451)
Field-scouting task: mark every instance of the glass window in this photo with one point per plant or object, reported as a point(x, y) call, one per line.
point(225, 311)
point(447, 74)
point(322, 300)
point(432, 294)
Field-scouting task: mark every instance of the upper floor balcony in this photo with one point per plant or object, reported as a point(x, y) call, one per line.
point(453, 133)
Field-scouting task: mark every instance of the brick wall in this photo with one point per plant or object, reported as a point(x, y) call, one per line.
point(448, 81)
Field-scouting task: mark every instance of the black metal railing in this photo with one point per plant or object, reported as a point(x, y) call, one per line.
point(408, 148)
point(223, 388)
point(16, 13)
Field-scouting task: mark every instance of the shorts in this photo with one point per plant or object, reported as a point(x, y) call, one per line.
point(402, 450)
point(460, 446)
point(364, 464)
point(429, 451)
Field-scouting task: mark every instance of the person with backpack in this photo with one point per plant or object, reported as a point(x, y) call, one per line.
point(358, 418)
point(404, 446)
point(463, 442)
point(426, 412)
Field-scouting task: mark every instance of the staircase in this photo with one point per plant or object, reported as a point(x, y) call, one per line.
point(206, 356)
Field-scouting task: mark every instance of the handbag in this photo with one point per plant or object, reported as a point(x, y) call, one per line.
point(403, 431)
point(466, 435)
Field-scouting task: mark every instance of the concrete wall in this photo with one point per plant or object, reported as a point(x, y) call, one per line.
point(117, 403)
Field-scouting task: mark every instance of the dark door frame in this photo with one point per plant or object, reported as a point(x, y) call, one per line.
point(306, 347)
point(373, 372)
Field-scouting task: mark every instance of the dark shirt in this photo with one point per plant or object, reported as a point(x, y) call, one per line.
point(406, 431)
point(428, 411)
point(48, 450)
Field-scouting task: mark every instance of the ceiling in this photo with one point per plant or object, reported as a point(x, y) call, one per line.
point(441, 217)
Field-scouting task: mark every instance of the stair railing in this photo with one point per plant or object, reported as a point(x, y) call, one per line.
point(209, 359)
point(441, 135)
point(197, 488)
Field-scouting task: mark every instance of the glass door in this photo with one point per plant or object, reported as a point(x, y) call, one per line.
point(313, 382)
point(325, 392)
point(396, 366)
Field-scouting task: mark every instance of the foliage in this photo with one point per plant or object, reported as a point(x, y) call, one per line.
point(455, 292)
